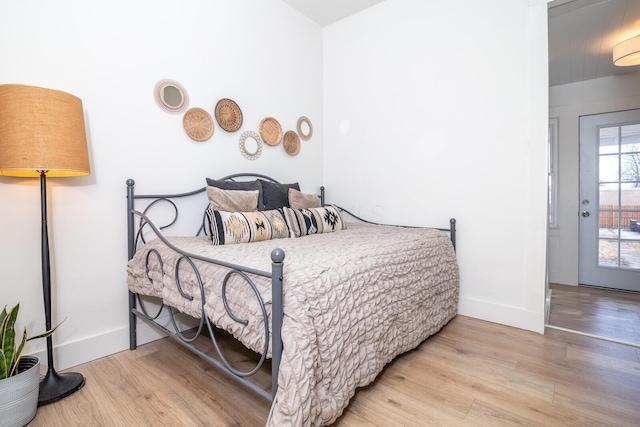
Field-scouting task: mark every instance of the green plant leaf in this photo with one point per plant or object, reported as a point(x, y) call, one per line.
point(45, 334)
point(16, 361)
point(3, 367)
point(3, 361)
point(3, 321)
point(3, 314)
point(9, 354)
point(9, 337)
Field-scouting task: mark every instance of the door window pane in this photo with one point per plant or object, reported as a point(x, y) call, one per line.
point(630, 196)
point(632, 230)
point(608, 253)
point(609, 196)
point(609, 224)
point(630, 164)
point(608, 168)
point(608, 140)
point(629, 254)
point(630, 138)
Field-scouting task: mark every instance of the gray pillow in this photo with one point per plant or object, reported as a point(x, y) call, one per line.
point(275, 196)
point(232, 200)
point(298, 200)
point(238, 185)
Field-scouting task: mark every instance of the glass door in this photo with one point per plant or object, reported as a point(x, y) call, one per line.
point(610, 200)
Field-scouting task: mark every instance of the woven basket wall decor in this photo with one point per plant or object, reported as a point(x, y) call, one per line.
point(291, 143)
point(270, 131)
point(198, 124)
point(228, 115)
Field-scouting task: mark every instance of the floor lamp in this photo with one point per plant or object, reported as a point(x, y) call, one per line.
point(42, 134)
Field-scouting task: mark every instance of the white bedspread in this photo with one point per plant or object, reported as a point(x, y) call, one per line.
point(353, 300)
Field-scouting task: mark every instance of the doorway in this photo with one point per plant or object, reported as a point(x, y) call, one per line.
point(583, 81)
point(606, 303)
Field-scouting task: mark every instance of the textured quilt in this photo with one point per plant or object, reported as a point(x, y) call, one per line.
point(353, 300)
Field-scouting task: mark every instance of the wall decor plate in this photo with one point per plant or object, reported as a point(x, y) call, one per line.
point(305, 128)
point(198, 124)
point(171, 96)
point(291, 143)
point(250, 145)
point(228, 115)
point(270, 131)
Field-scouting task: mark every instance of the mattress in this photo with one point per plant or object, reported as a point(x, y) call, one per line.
point(353, 300)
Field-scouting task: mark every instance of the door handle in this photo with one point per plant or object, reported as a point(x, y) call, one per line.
point(585, 214)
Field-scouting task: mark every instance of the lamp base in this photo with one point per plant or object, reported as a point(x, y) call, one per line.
point(55, 386)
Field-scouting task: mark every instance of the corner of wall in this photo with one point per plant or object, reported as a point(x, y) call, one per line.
point(506, 315)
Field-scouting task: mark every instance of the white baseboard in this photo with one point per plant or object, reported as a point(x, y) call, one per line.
point(70, 354)
point(505, 315)
point(75, 353)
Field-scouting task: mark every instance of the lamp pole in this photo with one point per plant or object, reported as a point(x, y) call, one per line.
point(54, 386)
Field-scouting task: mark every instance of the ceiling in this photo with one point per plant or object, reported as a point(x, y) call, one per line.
point(326, 12)
point(582, 33)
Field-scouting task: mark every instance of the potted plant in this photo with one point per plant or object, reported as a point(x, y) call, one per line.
point(19, 375)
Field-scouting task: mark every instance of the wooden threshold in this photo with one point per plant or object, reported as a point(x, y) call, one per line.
point(597, 312)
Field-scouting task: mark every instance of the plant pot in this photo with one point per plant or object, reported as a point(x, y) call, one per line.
point(19, 394)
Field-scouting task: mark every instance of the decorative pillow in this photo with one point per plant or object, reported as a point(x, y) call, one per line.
point(298, 200)
point(232, 200)
point(275, 195)
point(243, 227)
point(302, 222)
point(238, 185)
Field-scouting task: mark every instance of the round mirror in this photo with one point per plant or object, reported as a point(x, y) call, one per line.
point(305, 129)
point(171, 96)
point(250, 145)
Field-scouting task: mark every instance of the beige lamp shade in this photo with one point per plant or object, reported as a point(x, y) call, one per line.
point(627, 53)
point(41, 130)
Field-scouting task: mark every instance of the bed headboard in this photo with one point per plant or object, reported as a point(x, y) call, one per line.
point(171, 205)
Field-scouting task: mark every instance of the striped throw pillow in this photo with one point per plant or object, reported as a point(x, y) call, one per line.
point(303, 222)
point(244, 227)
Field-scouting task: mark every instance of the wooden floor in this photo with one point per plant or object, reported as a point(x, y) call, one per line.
point(601, 312)
point(470, 373)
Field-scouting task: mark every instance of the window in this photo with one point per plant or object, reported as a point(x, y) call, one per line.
point(552, 173)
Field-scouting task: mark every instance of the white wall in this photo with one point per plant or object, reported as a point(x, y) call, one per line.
point(393, 80)
point(431, 113)
point(568, 103)
point(261, 53)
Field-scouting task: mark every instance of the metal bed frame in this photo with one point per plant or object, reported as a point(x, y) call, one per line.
point(137, 310)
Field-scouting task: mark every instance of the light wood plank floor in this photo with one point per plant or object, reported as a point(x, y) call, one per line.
point(601, 312)
point(470, 373)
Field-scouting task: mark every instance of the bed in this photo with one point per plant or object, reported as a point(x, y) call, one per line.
point(327, 297)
